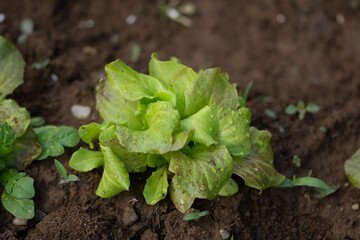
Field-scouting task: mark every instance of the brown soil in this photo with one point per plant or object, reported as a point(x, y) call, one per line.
point(312, 56)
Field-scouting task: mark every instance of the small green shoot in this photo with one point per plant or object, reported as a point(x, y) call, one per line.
point(176, 13)
point(301, 109)
point(323, 129)
point(243, 97)
point(40, 65)
point(271, 114)
point(26, 27)
point(63, 173)
point(266, 99)
point(232, 237)
point(195, 215)
point(296, 161)
point(135, 53)
point(318, 184)
point(37, 121)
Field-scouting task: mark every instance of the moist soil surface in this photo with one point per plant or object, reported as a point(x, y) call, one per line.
point(293, 50)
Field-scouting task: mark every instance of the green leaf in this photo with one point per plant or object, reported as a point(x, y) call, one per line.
point(163, 121)
point(156, 186)
point(12, 67)
point(84, 160)
point(318, 184)
point(312, 108)
point(2, 164)
point(26, 150)
point(243, 97)
point(271, 114)
point(201, 174)
point(37, 121)
point(60, 168)
point(7, 138)
point(257, 168)
point(217, 125)
point(88, 133)
point(195, 215)
point(154, 160)
point(17, 117)
point(230, 188)
point(68, 136)
point(134, 162)
point(113, 107)
point(115, 178)
point(69, 178)
point(20, 208)
point(23, 188)
point(133, 85)
point(352, 169)
point(291, 109)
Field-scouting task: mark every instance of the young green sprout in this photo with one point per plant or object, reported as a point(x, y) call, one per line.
point(296, 161)
point(66, 178)
point(195, 215)
point(243, 97)
point(176, 13)
point(271, 114)
point(323, 129)
point(301, 109)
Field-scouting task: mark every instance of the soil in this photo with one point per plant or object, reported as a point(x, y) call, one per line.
point(293, 50)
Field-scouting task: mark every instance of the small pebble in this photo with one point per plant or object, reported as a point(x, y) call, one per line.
point(80, 112)
point(346, 184)
point(355, 207)
point(280, 18)
point(54, 77)
point(340, 18)
point(20, 222)
point(131, 19)
point(224, 234)
point(2, 17)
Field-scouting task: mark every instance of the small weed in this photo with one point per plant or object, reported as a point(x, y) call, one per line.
point(40, 65)
point(271, 114)
point(296, 161)
point(301, 109)
point(195, 215)
point(176, 13)
point(323, 129)
point(243, 96)
point(135, 53)
point(63, 173)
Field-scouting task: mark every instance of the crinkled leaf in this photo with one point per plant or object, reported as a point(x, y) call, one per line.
point(68, 136)
point(26, 150)
point(133, 85)
point(7, 138)
point(115, 178)
point(257, 168)
point(60, 168)
point(352, 169)
point(113, 107)
point(84, 160)
point(156, 186)
point(224, 94)
point(20, 208)
point(230, 188)
point(16, 116)
point(217, 125)
point(88, 133)
point(163, 120)
point(134, 162)
point(154, 160)
point(201, 174)
point(12, 67)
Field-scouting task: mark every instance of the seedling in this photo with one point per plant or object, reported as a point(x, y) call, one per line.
point(177, 13)
point(185, 125)
point(323, 129)
point(296, 161)
point(66, 178)
point(195, 215)
point(318, 184)
point(243, 97)
point(26, 27)
point(40, 65)
point(301, 109)
point(271, 114)
point(135, 53)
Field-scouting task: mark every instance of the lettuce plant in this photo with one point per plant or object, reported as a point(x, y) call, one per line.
point(187, 127)
point(20, 141)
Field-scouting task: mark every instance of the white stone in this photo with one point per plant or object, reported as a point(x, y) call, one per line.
point(280, 18)
point(131, 19)
point(2, 17)
point(80, 112)
point(20, 222)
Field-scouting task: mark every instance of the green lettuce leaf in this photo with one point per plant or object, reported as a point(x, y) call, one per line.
point(84, 160)
point(218, 125)
point(12, 67)
point(26, 149)
point(17, 117)
point(163, 121)
point(113, 107)
point(201, 174)
point(156, 186)
point(115, 178)
point(257, 168)
point(88, 133)
point(7, 138)
point(352, 169)
point(230, 188)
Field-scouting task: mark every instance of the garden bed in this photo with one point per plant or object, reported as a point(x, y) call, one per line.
point(302, 50)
